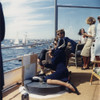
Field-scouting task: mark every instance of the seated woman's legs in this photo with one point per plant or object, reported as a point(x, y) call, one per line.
point(59, 77)
point(58, 82)
point(66, 84)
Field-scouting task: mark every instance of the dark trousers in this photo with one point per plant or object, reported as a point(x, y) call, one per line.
point(0, 94)
point(42, 56)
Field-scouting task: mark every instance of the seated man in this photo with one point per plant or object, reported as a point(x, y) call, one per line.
point(65, 43)
point(62, 44)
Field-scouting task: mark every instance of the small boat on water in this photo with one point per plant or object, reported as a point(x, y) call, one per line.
point(14, 79)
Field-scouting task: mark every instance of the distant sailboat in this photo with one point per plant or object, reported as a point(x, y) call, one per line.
point(11, 41)
point(24, 41)
point(16, 42)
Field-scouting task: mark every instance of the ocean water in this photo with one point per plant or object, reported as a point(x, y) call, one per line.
point(11, 53)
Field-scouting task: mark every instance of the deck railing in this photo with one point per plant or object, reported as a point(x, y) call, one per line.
point(14, 75)
point(16, 46)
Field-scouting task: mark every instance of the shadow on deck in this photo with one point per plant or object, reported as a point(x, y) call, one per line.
point(81, 79)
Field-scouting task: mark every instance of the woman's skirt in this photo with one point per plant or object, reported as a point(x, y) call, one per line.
point(86, 51)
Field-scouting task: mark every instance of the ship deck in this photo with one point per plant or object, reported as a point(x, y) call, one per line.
point(81, 79)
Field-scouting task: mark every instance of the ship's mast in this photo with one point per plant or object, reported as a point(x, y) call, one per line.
point(56, 17)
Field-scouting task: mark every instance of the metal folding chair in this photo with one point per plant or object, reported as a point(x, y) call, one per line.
point(78, 58)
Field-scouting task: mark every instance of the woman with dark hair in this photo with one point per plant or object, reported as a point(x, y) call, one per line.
point(86, 51)
point(83, 38)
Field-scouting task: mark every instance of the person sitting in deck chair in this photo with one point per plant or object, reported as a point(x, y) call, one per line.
point(65, 40)
point(65, 43)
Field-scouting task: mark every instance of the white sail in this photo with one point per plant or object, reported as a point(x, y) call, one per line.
point(24, 41)
point(16, 41)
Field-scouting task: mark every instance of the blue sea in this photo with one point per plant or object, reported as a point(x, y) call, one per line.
point(11, 53)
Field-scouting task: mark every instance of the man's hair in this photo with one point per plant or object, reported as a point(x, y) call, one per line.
point(98, 17)
point(61, 31)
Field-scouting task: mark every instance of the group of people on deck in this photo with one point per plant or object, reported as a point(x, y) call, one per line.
point(59, 59)
point(89, 40)
point(60, 54)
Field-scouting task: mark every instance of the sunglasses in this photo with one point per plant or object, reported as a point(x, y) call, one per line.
point(57, 34)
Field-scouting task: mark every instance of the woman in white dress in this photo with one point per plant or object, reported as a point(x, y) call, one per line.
point(86, 51)
point(97, 42)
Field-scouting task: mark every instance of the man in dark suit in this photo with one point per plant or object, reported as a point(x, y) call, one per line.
point(2, 34)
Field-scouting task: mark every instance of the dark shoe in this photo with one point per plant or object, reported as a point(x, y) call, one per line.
point(85, 68)
point(76, 91)
point(69, 73)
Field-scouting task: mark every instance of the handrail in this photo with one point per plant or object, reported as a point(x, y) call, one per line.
point(21, 45)
point(17, 58)
point(70, 6)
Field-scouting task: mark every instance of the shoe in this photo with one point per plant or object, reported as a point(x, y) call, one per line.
point(76, 91)
point(69, 73)
point(85, 68)
point(37, 79)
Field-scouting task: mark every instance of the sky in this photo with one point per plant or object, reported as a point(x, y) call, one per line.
point(35, 18)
